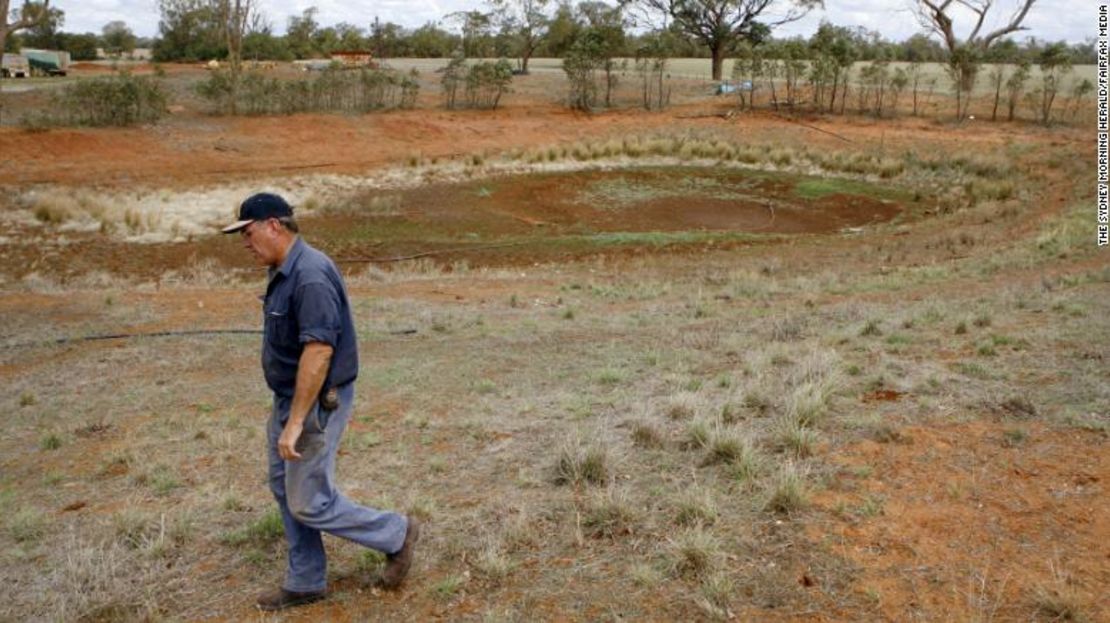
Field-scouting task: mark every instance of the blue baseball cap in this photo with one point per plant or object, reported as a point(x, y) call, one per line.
point(259, 207)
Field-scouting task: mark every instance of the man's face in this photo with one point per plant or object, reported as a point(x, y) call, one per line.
point(262, 239)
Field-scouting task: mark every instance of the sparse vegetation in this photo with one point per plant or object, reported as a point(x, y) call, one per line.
point(334, 90)
point(659, 397)
point(119, 100)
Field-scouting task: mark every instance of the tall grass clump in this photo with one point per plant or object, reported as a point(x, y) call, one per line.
point(118, 100)
point(788, 491)
point(578, 463)
point(608, 514)
point(695, 553)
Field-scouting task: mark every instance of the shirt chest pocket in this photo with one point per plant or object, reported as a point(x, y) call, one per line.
point(281, 327)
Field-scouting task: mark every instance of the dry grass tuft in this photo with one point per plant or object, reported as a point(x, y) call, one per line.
point(696, 507)
point(608, 514)
point(577, 463)
point(1058, 600)
point(695, 552)
point(728, 445)
point(714, 596)
point(788, 491)
point(683, 405)
point(492, 562)
point(646, 435)
point(697, 434)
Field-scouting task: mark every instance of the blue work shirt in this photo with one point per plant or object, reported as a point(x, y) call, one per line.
point(306, 301)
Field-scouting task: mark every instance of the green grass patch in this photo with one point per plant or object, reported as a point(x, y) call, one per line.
point(818, 187)
point(264, 530)
point(659, 238)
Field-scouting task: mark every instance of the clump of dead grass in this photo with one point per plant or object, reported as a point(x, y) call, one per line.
point(104, 582)
point(683, 405)
point(696, 507)
point(788, 492)
point(1058, 600)
point(645, 434)
point(608, 514)
point(695, 553)
point(579, 462)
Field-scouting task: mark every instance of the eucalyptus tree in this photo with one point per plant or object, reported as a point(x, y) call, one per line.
point(966, 53)
point(722, 24)
point(27, 16)
point(527, 23)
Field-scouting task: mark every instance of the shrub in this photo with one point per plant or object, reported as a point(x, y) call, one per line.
point(334, 90)
point(454, 75)
point(119, 100)
point(486, 82)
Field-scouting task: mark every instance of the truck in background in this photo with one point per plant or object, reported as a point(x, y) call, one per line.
point(47, 62)
point(15, 66)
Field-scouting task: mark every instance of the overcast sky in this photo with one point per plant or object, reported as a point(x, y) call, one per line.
point(1072, 20)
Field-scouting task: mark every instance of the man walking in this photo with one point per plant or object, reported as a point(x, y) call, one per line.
point(310, 361)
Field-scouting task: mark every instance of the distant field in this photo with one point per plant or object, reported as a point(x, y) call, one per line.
point(699, 68)
point(688, 68)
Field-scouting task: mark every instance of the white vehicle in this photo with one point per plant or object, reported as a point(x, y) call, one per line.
point(15, 66)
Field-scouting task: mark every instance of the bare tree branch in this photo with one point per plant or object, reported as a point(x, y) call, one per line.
point(1013, 26)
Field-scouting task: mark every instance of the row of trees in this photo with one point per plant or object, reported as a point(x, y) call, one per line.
point(192, 30)
point(591, 36)
point(836, 84)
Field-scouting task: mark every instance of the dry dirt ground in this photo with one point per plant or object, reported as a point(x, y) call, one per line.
point(615, 391)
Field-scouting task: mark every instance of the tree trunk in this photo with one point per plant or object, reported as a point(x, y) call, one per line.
point(608, 82)
point(964, 89)
point(997, 97)
point(718, 60)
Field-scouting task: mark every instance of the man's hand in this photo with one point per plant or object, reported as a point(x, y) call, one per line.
point(287, 443)
point(311, 372)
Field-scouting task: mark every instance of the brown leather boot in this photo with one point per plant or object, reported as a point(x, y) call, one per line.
point(281, 599)
point(398, 564)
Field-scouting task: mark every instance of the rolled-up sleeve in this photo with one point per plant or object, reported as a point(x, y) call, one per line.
point(318, 313)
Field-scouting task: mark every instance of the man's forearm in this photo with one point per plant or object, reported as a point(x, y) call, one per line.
point(311, 372)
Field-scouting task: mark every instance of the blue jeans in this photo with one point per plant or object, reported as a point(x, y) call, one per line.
point(310, 504)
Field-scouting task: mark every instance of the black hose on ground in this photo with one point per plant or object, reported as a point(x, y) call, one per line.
point(127, 336)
